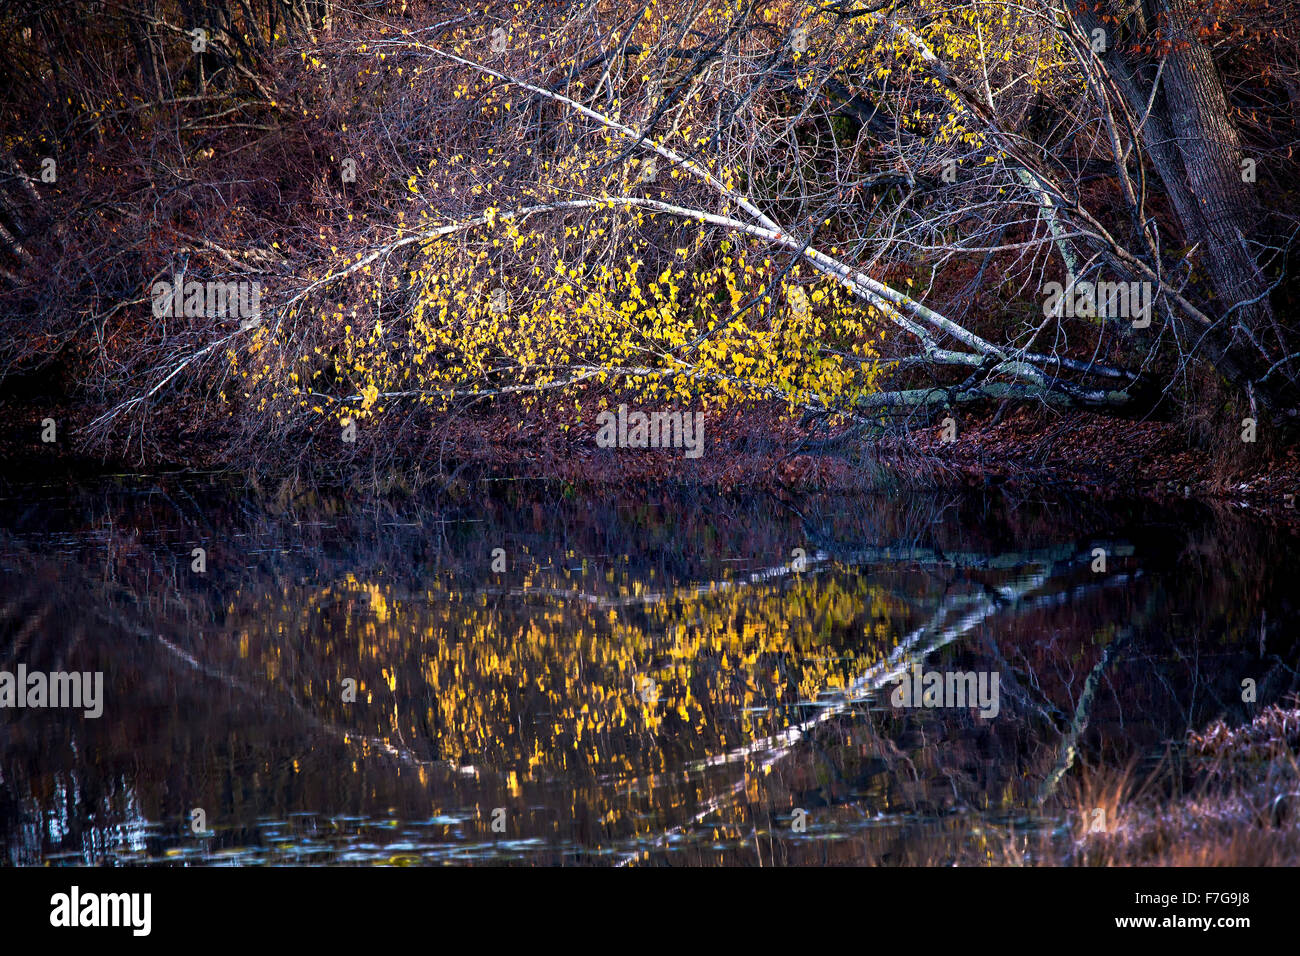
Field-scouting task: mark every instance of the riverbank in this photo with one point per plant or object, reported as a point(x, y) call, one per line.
point(756, 448)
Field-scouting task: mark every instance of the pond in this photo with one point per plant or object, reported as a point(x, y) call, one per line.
point(535, 674)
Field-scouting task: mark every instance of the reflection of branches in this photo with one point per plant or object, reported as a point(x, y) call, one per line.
point(648, 598)
point(1082, 712)
point(913, 649)
point(822, 560)
point(349, 737)
point(1048, 710)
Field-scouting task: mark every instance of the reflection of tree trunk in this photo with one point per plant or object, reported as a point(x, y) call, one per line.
point(955, 617)
point(1082, 714)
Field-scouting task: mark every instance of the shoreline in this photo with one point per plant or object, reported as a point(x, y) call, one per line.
point(750, 449)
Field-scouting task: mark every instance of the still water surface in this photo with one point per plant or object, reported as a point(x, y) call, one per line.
point(655, 676)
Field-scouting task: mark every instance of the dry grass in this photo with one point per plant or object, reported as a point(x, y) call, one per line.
point(1234, 802)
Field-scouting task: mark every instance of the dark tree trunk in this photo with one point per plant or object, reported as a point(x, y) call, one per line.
point(1195, 150)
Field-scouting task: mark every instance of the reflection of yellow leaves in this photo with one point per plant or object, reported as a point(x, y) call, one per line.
point(378, 603)
point(476, 674)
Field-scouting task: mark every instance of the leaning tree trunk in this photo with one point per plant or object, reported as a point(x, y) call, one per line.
point(1212, 157)
point(1195, 150)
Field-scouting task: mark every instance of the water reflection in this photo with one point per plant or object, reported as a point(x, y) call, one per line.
point(654, 677)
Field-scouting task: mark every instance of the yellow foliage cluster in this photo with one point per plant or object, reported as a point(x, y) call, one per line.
point(549, 305)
